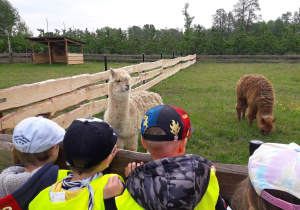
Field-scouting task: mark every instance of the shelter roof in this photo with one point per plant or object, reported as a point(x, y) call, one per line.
point(56, 40)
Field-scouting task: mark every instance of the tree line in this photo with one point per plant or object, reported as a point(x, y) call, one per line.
point(238, 32)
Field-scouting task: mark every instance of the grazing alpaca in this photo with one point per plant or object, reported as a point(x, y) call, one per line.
point(125, 111)
point(256, 92)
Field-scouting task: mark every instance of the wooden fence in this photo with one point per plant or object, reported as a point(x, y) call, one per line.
point(249, 58)
point(6, 58)
point(83, 94)
point(66, 99)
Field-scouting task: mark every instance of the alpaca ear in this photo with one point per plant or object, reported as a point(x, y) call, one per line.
point(112, 73)
point(274, 119)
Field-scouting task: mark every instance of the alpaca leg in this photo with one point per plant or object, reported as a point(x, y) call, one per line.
point(241, 107)
point(251, 115)
point(244, 111)
point(131, 143)
point(238, 111)
point(120, 143)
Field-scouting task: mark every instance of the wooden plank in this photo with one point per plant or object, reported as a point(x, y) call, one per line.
point(75, 54)
point(21, 60)
point(20, 54)
point(171, 62)
point(75, 58)
point(248, 61)
point(152, 65)
point(148, 84)
point(4, 55)
point(99, 77)
point(5, 60)
point(53, 105)
point(26, 94)
point(86, 110)
point(75, 62)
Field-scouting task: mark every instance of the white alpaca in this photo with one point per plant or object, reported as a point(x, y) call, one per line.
point(125, 111)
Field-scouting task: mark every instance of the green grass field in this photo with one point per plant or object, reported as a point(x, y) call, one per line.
point(207, 92)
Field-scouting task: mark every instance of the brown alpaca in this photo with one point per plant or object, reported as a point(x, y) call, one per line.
point(125, 111)
point(256, 92)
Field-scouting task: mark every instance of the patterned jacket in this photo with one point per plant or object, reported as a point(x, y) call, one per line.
point(170, 183)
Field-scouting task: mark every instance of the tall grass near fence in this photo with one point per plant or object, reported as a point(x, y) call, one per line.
point(207, 92)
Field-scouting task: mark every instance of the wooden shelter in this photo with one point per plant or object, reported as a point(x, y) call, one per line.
point(57, 50)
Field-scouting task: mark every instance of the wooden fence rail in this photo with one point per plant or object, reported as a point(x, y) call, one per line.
point(85, 93)
point(6, 58)
point(249, 58)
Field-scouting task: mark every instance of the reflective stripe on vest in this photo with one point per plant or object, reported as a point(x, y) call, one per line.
point(42, 201)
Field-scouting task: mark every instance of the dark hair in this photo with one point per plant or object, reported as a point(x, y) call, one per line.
point(240, 197)
point(78, 167)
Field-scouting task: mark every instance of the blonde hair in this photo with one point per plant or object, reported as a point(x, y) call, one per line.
point(240, 197)
point(33, 158)
point(160, 149)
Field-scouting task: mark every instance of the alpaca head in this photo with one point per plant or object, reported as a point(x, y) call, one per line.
point(119, 84)
point(266, 124)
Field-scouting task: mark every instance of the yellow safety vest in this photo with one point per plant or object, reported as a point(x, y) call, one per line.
point(62, 174)
point(42, 200)
point(123, 202)
point(208, 201)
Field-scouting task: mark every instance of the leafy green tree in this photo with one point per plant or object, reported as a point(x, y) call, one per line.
point(245, 13)
point(9, 17)
point(286, 18)
point(219, 25)
point(19, 33)
point(188, 19)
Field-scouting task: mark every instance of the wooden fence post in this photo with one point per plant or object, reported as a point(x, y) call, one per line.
point(105, 62)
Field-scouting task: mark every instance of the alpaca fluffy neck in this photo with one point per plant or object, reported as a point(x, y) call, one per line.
point(118, 107)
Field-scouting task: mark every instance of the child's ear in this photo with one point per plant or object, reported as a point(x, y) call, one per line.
point(143, 143)
point(54, 148)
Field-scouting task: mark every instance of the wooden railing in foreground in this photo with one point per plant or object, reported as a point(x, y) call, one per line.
point(85, 94)
point(229, 175)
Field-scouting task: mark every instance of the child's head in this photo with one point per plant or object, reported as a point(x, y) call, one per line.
point(87, 142)
point(274, 178)
point(35, 138)
point(164, 128)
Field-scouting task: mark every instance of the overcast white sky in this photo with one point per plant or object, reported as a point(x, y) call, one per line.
point(93, 14)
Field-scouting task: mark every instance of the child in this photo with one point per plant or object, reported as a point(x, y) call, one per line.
point(89, 147)
point(36, 142)
point(173, 180)
point(273, 181)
